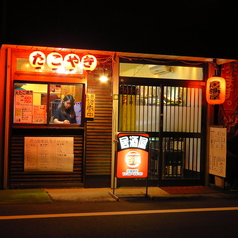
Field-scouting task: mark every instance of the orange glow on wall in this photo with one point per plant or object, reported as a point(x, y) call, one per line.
point(37, 59)
point(216, 90)
point(54, 60)
point(89, 62)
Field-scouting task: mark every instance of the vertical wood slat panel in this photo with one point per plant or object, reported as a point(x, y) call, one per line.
point(18, 178)
point(99, 129)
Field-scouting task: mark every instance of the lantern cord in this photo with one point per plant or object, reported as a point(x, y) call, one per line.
point(217, 70)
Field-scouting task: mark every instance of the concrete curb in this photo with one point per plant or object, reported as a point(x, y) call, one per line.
point(108, 195)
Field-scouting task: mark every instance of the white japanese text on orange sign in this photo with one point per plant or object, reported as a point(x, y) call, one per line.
point(132, 157)
point(133, 142)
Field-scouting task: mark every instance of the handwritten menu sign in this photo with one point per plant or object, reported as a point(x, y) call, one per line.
point(23, 106)
point(39, 114)
point(217, 152)
point(49, 154)
point(90, 105)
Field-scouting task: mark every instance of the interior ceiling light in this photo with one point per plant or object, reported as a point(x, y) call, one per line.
point(103, 78)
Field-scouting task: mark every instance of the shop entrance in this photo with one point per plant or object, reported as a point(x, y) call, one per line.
point(44, 152)
point(171, 112)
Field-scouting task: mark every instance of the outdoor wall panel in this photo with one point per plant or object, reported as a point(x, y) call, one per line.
point(19, 178)
point(99, 129)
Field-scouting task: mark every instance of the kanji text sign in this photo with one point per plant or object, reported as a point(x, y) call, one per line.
point(132, 156)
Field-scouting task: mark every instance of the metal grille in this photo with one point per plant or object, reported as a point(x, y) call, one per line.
point(181, 158)
point(139, 108)
point(174, 115)
point(182, 109)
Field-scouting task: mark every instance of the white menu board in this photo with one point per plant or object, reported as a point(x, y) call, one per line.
point(23, 101)
point(217, 152)
point(49, 154)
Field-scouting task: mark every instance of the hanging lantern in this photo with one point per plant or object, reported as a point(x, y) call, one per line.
point(54, 60)
point(37, 59)
point(89, 62)
point(216, 90)
point(71, 61)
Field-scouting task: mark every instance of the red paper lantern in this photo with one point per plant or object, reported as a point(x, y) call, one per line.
point(54, 60)
point(37, 59)
point(71, 61)
point(216, 90)
point(89, 62)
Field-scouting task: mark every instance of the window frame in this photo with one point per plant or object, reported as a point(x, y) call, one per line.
point(48, 124)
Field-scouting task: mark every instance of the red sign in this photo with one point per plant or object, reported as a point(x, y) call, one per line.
point(229, 110)
point(132, 156)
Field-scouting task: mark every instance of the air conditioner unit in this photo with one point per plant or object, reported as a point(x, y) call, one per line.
point(160, 69)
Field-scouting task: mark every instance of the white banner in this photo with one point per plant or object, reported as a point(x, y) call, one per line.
point(217, 151)
point(49, 154)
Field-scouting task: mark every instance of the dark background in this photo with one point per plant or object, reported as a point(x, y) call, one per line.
point(206, 28)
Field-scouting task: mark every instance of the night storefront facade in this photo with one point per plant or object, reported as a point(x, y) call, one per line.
point(163, 96)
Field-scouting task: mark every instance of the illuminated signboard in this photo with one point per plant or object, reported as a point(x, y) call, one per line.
point(216, 90)
point(71, 61)
point(132, 156)
point(89, 62)
point(37, 59)
point(55, 60)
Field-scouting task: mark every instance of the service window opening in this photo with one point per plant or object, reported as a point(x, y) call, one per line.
point(33, 102)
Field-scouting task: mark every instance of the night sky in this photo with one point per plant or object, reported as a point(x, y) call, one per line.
point(206, 28)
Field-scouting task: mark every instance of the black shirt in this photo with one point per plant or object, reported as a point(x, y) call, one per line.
point(61, 117)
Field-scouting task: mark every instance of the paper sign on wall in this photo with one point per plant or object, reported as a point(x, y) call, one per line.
point(39, 114)
point(90, 105)
point(49, 154)
point(23, 106)
point(217, 152)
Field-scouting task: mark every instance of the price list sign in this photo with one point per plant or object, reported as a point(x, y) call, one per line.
point(49, 154)
point(39, 115)
point(23, 106)
point(217, 152)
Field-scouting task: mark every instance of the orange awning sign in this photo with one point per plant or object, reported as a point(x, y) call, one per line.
point(55, 60)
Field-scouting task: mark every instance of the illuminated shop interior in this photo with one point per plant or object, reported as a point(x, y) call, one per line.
point(148, 105)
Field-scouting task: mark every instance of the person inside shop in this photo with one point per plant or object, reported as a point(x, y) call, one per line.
point(65, 114)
